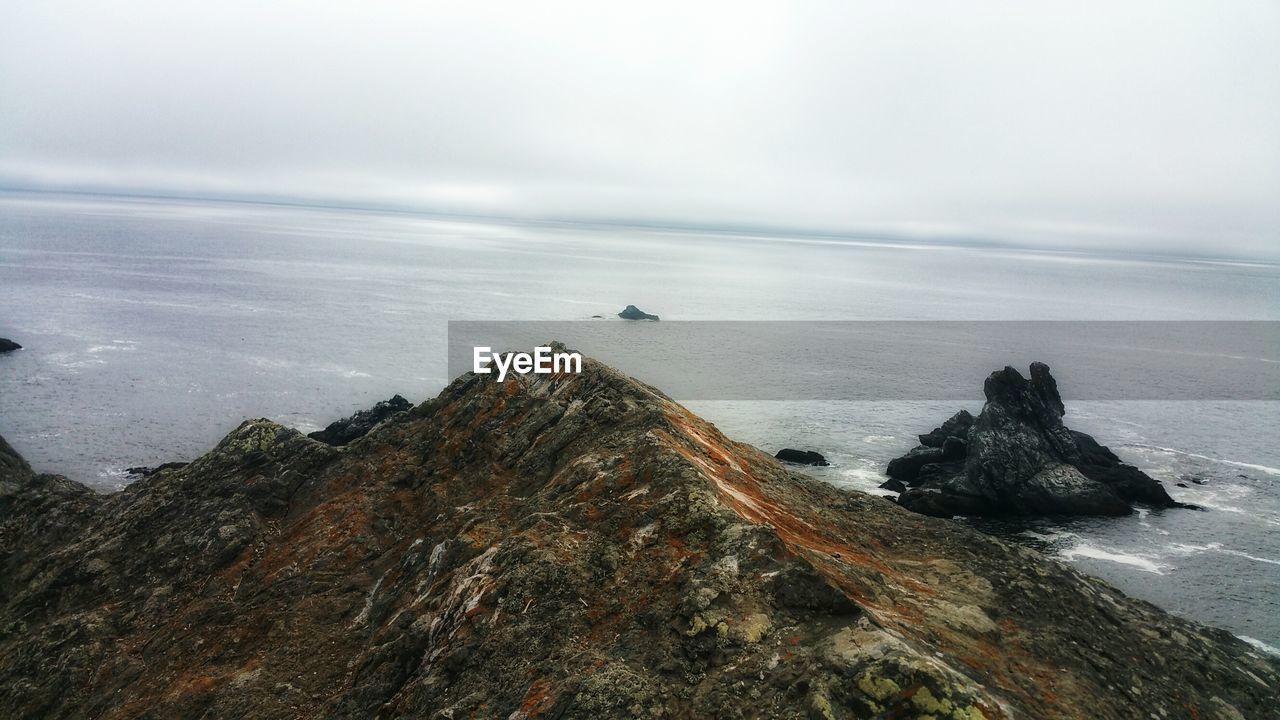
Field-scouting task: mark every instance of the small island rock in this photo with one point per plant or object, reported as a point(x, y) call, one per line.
point(7, 345)
point(631, 312)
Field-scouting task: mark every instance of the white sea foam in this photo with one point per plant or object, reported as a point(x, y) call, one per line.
point(879, 439)
point(1096, 553)
point(1183, 549)
point(1247, 556)
point(1270, 649)
point(1234, 463)
point(865, 479)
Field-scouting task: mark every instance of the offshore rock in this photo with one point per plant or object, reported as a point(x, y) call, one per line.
point(341, 432)
point(631, 312)
point(558, 546)
point(7, 345)
point(801, 457)
point(1018, 458)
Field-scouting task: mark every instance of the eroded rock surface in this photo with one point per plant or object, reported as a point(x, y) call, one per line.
point(574, 546)
point(1018, 458)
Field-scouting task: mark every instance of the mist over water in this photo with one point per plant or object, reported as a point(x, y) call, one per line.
point(152, 328)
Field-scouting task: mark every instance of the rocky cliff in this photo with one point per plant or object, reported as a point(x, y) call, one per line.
point(557, 547)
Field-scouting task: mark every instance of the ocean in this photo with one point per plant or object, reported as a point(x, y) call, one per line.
point(153, 327)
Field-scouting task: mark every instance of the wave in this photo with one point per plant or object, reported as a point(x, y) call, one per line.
point(1217, 547)
point(1235, 463)
point(1269, 649)
point(1096, 553)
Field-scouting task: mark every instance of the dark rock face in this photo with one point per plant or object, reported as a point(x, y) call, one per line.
point(894, 485)
point(801, 457)
point(559, 547)
point(1017, 457)
point(631, 312)
point(142, 471)
point(7, 345)
point(957, 426)
point(341, 432)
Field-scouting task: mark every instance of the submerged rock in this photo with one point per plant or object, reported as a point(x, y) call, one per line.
point(1017, 457)
point(801, 457)
point(341, 432)
point(7, 345)
point(561, 547)
point(631, 312)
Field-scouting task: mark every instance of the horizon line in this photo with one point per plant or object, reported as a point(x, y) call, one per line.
point(776, 232)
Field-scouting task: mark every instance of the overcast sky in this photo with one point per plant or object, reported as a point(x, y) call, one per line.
point(1149, 125)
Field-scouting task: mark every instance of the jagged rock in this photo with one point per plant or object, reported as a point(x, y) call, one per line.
point(569, 547)
point(341, 432)
point(956, 426)
point(906, 468)
point(1017, 457)
point(894, 485)
point(801, 457)
point(631, 312)
point(7, 345)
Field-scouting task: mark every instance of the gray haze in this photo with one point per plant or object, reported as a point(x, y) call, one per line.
point(1136, 125)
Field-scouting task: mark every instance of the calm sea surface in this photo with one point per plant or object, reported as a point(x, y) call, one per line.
point(152, 328)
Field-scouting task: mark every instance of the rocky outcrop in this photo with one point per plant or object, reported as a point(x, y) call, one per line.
point(142, 471)
point(558, 546)
point(341, 432)
point(631, 312)
point(1018, 458)
point(7, 345)
point(801, 457)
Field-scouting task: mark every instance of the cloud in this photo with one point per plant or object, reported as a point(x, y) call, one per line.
point(1142, 125)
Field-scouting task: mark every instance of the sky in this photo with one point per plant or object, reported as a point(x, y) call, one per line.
point(1145, 126)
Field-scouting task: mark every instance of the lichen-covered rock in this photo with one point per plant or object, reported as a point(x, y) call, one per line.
point(1018, 458)
point(558, 546)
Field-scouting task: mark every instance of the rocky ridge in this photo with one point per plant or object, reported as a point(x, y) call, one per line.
point(557, 546)
point(1018, 458)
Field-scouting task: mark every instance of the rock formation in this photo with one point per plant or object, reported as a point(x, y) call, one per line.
point(801, 457)
point(142, 471)
point(341, 432)
point(631, 312)
point(557, 546)
point(1018, 458)
point(7, 345)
